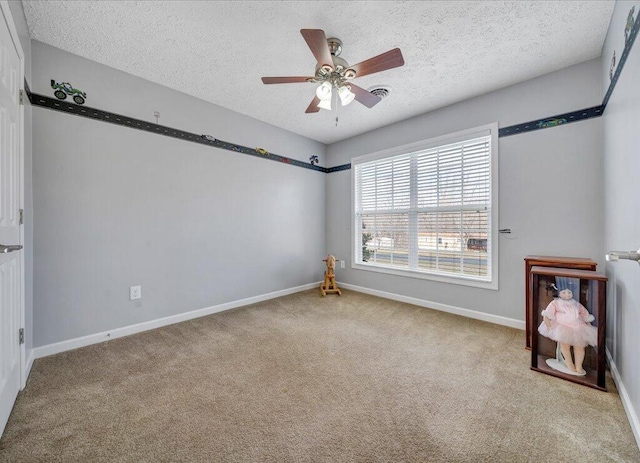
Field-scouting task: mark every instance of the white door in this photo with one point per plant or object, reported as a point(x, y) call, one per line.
point(11, 274)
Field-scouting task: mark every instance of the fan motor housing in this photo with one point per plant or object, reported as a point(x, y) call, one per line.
point(341, 67)
point(339, 63)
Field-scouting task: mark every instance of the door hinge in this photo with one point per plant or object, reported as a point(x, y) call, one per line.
point(21, 216)
point(21, 97)
point(21, 335)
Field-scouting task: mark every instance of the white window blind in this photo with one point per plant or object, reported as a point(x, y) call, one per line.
point(427, 211)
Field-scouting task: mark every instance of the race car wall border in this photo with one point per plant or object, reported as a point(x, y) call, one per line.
point(630, 33)
point(113, 118)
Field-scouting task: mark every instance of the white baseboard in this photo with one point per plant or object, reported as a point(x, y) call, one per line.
point(632, 416)
point(27, 368)
point(70, 344)
point(63, 346)
point(497, 319)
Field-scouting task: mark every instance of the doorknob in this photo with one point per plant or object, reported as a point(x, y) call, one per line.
point(6, 249)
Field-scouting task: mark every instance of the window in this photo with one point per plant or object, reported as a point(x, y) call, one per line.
point(429, 209)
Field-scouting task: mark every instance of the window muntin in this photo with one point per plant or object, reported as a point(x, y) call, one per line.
point(429, 210)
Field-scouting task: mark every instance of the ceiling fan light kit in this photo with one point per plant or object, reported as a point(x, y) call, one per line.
point(346, 95)
point(324, 91)
point(331, 72)
point(325, 104)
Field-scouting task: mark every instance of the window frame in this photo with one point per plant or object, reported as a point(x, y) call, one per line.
point(488, 129)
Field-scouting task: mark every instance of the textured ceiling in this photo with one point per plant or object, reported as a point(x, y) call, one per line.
point(218, 51)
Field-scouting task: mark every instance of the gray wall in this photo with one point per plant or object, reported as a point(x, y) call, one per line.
point(621, 210)
point(550, 185)
point(25, 41)
point(195, 226)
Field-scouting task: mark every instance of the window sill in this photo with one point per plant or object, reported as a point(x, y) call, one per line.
point(462, 281)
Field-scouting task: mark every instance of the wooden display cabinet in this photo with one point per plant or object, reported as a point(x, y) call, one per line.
point(577, 263)
point(589, 289)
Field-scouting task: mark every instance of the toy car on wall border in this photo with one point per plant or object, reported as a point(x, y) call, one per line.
point(65, 88)
point(551, 123)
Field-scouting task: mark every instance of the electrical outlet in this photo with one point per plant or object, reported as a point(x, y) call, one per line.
point(135, 292)
point(341, 264)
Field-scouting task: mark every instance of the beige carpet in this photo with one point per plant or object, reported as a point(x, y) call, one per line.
point(309, 379)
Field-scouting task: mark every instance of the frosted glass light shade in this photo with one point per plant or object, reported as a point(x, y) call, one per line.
point(324, 91)
point(346, 95)
point(325, 104)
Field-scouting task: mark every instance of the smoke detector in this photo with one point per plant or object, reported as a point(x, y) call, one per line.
point(381, 91)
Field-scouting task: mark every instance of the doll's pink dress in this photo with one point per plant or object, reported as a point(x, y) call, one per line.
point(570, 323)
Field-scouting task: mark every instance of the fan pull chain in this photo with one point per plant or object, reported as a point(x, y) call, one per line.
point(337, 106)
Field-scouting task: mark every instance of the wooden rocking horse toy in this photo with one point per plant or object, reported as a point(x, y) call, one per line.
point(329, 286)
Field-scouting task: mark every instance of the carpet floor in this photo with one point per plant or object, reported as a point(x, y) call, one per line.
point(303, 378)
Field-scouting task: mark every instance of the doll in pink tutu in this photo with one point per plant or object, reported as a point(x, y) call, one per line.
point(567, 322)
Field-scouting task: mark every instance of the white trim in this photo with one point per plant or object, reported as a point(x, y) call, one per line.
point(23, 271)
point(442, 278)
point(70, 344)
point(632, 416)
point(30, 359)
point(492, 130)
point(15, 38)
point(13, 31)
point(486, 317)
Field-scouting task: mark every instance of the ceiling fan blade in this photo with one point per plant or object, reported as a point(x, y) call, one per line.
point(317, 42)
point(366, 98)
point(285, 80)
point(313, 107)
point(391, 59)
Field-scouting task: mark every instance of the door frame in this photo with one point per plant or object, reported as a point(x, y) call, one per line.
point(13, 32)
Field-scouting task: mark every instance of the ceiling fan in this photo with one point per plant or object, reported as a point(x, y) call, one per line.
point(333, 72)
